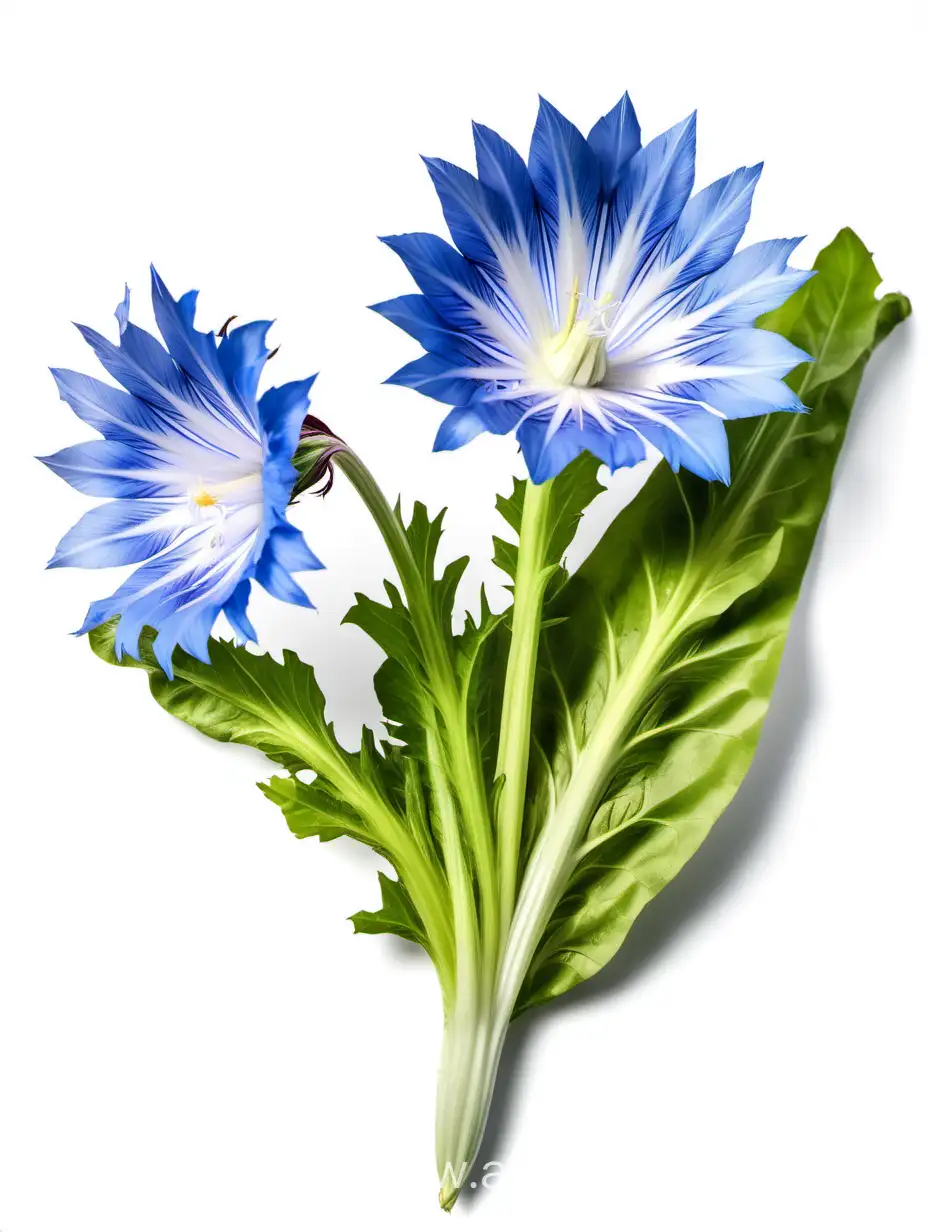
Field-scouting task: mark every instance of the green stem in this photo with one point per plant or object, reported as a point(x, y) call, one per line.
point(394, 535)
point(515, 727)
point(456, 739)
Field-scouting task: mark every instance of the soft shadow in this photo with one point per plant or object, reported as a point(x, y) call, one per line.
point(702, 884)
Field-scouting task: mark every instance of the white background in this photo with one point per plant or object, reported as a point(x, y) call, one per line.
point(191, 1038)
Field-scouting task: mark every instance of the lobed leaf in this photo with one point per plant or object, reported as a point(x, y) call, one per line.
point(397, 915)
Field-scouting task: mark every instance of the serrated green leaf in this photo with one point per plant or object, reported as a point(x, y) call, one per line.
point(647, 725)
point(278, 708)
point(312, 811)
point(240, 697)
point(571, 491)
point(398, 915)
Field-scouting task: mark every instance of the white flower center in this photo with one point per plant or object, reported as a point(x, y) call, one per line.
point(213, 502)
point(577, 355)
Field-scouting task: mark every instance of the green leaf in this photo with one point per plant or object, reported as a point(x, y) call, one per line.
point(403, 682)
point(241, 697)
point(648, 721)
point(398, 915)
point(311, 810)
point(279, 709)
point(572, 490)
point(374, 797)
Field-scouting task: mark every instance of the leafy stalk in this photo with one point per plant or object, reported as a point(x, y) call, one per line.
point(452, 757)
point(656, 668)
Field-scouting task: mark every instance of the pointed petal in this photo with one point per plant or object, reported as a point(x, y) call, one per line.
point(756, 280)
point(122, 532)
point(195, 352)
point(740, 397)
point(415, 315)
point(563, 168)
point(658, 182)
point(502, 171)
point(110, 468)
point(687, 437)
point(457, 428)
point(277, 581)
point(614, 139)
point(546, 457)
point(290, 550)
point(479, 222)
point(449, 282)
point(437, 377)
point(710, 226)
point(241, 356)
point(112, 412)
point(282, 410)
point(122, 311)
point(236, 612)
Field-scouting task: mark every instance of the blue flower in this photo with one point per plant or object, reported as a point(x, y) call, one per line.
point(592, 303)
point(201, 475)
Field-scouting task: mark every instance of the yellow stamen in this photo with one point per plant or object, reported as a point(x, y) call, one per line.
point(204, 499)
point(572, 309)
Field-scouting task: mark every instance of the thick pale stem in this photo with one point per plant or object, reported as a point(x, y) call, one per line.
point(474, 1036)
point(516, 724)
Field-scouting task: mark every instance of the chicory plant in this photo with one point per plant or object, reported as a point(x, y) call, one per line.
point(550, 768)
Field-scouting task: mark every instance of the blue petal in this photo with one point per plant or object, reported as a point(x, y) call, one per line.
point(117, 533)
point(290, 550)
point(563, 168)
point(116, 415)
point(437, 377)
point(545, 459)
point(179, 593)
point(710, 226)
point(657, 182)
point(415, 315)
point(474, 214)
point(277, 581)
point(237, 615)
point(614, 139)
point(190, 632)
point(282, 410)
point(111, 468)
point(142, 366)
point(692, 438)
point(241, 355)
point(457, 428)
point(740, 397)
point(499, 412)
point(756, 280)
point(448, 280)
point(502, 171)
point(122, 311)
point(746, 351)
point(619, 448)
point(195, 352)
